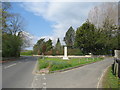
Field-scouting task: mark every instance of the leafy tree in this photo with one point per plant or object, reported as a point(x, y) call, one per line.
point(35, 49)
point(70, 37)
point(41, 46)
point(110, 31)
point(105, 17)
point(44, 47)
point(11, 45)
point(49, 45)
point(85, 37)
point(58, 45)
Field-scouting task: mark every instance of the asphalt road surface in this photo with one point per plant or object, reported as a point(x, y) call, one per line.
point(18, 74)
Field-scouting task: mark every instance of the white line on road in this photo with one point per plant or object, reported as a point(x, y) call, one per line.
point(44, 78)
point(10, 65)
point(44, 83)
point(100, 79)
point(43, 74)
point(44, 88)
point(33, 82)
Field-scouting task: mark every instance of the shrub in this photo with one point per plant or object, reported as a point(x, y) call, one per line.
point(74, 51)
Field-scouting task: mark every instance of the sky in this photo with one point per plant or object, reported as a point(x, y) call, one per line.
point(52, 19)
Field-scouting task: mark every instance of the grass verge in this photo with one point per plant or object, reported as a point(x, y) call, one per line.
point(110, 80)
point(54, 64)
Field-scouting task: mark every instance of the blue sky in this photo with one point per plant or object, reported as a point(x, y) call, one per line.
point(52, 19)
point(35, 25)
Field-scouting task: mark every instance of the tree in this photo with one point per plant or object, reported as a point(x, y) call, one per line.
point(49, 45)
point(41, 46)
point(16, 24)
point(44, 47)
point(11, 45)
point(58, 45)
point(110, 32)
point(105, 18)
point(98, 14)
point(12, 30)
point(6, 6)
point(85, 37)
point(70, 37)
point(35, 49)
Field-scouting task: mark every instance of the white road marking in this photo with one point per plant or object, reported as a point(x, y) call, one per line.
point(34, 70)
point(10, 65)
point(44, 83)
point(33, 82)
point(44, 88)
point(43, 74)
point(44, 78)
point(98, 85)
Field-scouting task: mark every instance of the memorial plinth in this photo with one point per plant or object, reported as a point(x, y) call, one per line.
point(65, 53)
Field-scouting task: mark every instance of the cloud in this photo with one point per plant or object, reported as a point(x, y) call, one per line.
point(62, 14)
point(60, 0)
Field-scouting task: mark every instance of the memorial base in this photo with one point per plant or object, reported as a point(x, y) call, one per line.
point(65, 58)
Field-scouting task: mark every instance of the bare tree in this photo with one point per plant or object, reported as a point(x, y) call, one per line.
point(16, 24)
point(107, 10)
point(26, 38)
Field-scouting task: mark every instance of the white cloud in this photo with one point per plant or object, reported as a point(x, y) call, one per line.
point(60, 0)
point(63, 14)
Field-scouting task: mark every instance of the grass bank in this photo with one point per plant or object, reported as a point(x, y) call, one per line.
point(58, 64)
point(110, 80)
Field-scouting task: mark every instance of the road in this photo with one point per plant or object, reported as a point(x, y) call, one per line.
point(18, 74)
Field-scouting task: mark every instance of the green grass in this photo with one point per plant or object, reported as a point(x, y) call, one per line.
point(58, 64)
point(110, 80)
point(27, 53)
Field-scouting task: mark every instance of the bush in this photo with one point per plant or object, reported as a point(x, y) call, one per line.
point(74, 51)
